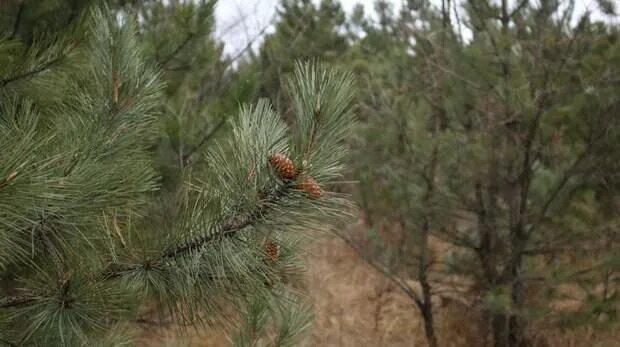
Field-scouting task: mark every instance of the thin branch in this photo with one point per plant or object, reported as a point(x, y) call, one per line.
point(48, 245)
point(568, 174)
point(161, 323)
point(202, 93)
point(551, 250)
point(249, 44)
point(518, 8)
point(176, 51)
point(385, 272)
point(18, 300)
point(5, 182)
point(458, 21)
point(204, 140)
point(9, 343)
point(18, 18)
point(315, 126)
point(228, 230)
point(44, 67)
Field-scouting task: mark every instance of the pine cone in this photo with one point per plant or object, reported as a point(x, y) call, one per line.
point(273, 250)
point(283, 165)
point(310, 187)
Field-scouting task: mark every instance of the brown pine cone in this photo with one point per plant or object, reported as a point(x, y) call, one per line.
point(310, 186)
point(273, 250)
point(283, 165)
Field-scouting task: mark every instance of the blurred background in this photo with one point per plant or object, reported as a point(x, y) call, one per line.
point(238, 22)
point(485, 163)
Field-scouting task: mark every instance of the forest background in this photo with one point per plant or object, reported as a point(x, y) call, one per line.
point(483, 163)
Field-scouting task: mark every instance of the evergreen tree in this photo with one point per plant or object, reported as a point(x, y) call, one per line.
point(500, 147)
point(84, 236)
point(303, 31)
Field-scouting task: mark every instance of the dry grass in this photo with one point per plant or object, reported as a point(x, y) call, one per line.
point(355, 306)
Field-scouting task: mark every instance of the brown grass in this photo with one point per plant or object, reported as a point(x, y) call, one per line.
point(355, 306)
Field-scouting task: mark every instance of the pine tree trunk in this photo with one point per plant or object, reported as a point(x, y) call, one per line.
point(508, 331)
point(499, 323)
point(429, 326)
point(509, 328)
point(427, 305)
point(516, 336)
point(517, 324)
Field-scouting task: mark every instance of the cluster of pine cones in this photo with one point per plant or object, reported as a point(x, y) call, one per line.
point(285, 169)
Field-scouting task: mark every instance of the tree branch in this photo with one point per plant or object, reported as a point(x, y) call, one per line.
point(176, 51)
point(228, 230)
point(204, 140)
point(518, 8)
point(9, 343)
point(385, 272)
point(49, 64)
point(18, 18)
point(18, 300)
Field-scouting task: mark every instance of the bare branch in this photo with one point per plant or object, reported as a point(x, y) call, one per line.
point(518, 8)
point(402, 285)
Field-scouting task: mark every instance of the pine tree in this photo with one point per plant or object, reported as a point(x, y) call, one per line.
point(303, 30)
point(84, 239)
point(499, 146)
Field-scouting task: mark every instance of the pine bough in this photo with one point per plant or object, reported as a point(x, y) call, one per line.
point(84, 239)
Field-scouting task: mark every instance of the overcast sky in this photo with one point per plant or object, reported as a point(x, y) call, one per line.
point(240, 21)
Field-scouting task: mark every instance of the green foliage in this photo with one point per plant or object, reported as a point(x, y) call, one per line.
point(303, 31)
point(486, 150)
point(292, 319)
point(87, 234)
point(496, 143)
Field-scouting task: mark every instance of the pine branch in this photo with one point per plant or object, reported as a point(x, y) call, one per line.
point(41, 232)
point(204, 140)
point(44, 67)
point(518, 8)
point(18, 18)
point(161, 323)
point(8, 343)
point(50, 249)
point(18, 300)
point(315, 125)
point(176, 51)
point(568, 174)
point(5, 182)
point(228, 230)
point(27, 74)
point(232, 227)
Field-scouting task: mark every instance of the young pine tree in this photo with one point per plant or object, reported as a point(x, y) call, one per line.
point(83, 239)
point(303, 30)
point(500, 148)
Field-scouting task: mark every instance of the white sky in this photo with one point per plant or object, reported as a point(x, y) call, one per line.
point(240, 21)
